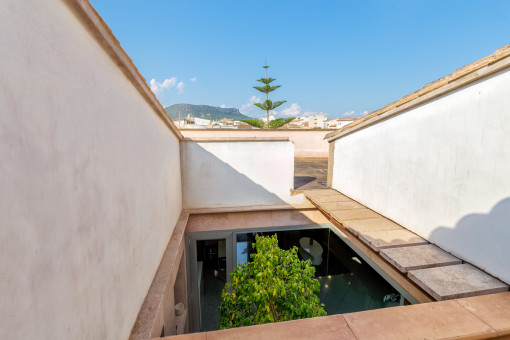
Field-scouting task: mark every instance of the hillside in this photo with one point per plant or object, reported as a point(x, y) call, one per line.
point(203, 111)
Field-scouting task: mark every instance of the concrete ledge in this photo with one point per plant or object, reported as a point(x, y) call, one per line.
point(456, 281)
point(374, 224)
point(493, 309)
point(236, 139)
point(418, 257)
point(480, 317)
point(378, 240)
point(268, 131)
point(299, 206)
point(159, 302)
point(254, 219)
point(443, 277)
point(438, 320)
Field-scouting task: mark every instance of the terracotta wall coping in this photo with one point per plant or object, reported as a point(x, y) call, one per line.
point(104, 36)
point(477, 70)
point(479, 317)
point(150, 318)
point(217, 210)
point(235, 139)
point(259, 130)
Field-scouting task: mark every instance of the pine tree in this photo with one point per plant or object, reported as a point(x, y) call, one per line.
point(267, 105)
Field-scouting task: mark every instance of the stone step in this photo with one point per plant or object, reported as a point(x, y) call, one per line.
point(457, 281)
point(373, 224)
point(332, 206)
point(317, 198)
point(378, 240)
point(321, 192)
point(418, 257)
point(353, 214)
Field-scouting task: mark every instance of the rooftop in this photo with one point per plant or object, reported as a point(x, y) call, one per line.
point(101, 194)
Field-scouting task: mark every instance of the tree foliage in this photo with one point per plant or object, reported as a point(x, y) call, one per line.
point(276, 123)
point(254, 122)
point(276, 286)
point(267, 105)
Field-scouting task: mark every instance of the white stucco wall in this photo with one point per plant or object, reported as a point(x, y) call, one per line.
point(441, 169)
point(89, 177)
point(237, 173)
point(307, 142)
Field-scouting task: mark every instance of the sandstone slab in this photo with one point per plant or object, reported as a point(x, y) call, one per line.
point(457, 281)
point(332, 198)
point(321, 192)
point(418, 257)
point(330, 206)
point(373, 224)
point(493, 309)
point(378, 240)
point(438, 320)
point(353, 214)
point(327, 327)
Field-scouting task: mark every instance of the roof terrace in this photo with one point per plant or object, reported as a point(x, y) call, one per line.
point(102, 195)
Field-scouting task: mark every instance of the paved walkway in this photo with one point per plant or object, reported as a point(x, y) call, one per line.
point(310, 173)
point(437, 272)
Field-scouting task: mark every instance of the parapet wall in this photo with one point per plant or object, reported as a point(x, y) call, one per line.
point(307, 142)
point(90, 179)
point(439, 167)
point(237, 172)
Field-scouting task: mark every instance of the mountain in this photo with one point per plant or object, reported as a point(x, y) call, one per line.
point(203, 111)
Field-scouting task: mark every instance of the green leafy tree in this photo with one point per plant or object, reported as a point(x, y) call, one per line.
point(268, 105)
point(254, 122)
point(276, 123)
point(275, 286)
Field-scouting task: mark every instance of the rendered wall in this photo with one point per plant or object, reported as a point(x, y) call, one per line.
point(441, 169)
point(307, 143)
point(237, 173)
point(89, 177)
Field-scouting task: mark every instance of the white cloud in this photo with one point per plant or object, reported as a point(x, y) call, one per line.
point(293, 110)
point(249, 109)
point(180, 87)
point(223, 106)
point(158, 87)
point(194, 79)
point(353, 114)
point(310, 113)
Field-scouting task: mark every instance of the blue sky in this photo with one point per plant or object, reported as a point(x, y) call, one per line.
point(342, 58)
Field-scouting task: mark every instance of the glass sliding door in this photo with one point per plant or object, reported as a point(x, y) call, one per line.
point(210, 265)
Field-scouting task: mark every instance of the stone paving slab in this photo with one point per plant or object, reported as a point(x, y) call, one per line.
point(493, 309)
point(418, 257)
point(372, 224)
point(328, 198)
point(457, 281)
point(438, 320)
point(322, 192)
point(378, 240)
point(332, 206)
point(353, 214)
point(325, 328)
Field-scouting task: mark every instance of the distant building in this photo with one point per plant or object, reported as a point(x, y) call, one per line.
point(339, 122)
point(317, 121)
point(309, 122)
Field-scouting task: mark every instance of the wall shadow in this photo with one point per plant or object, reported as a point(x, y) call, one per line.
point(211, 182)
point(481, 239)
